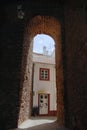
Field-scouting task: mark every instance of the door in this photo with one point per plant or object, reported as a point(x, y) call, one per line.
point(43, 104)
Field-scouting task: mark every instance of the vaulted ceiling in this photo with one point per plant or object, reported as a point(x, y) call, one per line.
point(46, 2)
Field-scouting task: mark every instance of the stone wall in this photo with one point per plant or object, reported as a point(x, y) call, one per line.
point(11, 32)
point(26, 80)
point(76, 70)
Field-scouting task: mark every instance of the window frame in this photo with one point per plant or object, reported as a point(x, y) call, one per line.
point(40, 71)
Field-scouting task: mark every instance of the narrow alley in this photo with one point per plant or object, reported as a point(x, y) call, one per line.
point(40, 123)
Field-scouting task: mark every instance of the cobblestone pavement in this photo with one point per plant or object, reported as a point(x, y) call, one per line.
point(40, 123)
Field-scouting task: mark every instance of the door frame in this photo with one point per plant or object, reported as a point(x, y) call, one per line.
point(48, 104)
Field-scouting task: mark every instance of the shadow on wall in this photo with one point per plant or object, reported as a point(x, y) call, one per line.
point(2, 122)
point(75, 123)
point(35, 111)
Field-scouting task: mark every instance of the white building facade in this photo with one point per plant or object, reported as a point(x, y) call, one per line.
point(44, 84)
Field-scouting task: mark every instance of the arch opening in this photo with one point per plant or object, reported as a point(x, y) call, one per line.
point(49, 26)
point(42, 42)
point(44, 77)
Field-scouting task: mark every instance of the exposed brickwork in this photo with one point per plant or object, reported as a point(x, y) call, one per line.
point(26, 80)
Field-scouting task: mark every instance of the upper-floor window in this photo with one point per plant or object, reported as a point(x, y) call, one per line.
point(44, 74)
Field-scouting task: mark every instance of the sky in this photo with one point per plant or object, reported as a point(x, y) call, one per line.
point(41, 40)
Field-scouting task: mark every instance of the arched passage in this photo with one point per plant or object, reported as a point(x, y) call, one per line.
point(40, 25)
point(44, 80)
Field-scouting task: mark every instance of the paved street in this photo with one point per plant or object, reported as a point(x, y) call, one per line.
point(40, 123)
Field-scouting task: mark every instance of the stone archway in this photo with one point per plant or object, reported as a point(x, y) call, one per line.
point(40, 25)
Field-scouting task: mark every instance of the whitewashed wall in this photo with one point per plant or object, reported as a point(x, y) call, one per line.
point(44, 86)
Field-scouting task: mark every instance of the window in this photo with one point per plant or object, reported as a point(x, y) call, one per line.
point(44, 74)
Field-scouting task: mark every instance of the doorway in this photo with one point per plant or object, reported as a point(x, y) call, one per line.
point(43, 104)
point(40, 25)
